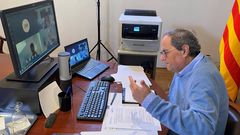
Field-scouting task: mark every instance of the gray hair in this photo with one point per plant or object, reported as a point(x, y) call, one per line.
point(179, 37)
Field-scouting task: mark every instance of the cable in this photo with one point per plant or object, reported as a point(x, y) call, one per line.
point(81, 89)
point(49, 58)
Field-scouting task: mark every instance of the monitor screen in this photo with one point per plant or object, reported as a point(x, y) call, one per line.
point(31, 32)
point(79, 52)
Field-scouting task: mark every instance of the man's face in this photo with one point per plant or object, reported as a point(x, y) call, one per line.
point(173, 58)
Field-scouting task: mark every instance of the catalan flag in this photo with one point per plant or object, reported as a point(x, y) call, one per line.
point(230, 52)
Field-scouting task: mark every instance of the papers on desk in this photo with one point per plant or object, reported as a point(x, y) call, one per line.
point(132, 118)
point(49, 98)
point(2, 123)
point(126, 119)
point(137, 72)
point(119, 133)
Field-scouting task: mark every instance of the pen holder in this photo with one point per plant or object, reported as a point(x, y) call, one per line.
point(65, 85)
point(64, 101)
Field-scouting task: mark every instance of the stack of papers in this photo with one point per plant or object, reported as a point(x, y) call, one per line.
point(130, 118)
point(137, 72)
point(126, 119)
point(2, 123)
point(119, 133)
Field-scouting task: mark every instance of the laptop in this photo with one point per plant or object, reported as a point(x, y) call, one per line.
point(81, 62)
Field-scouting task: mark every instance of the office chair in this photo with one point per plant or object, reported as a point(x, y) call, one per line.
point(1, 43)
point(233, 122)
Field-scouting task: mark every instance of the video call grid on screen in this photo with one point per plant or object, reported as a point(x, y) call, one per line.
point(79, 52)
point(34, 33)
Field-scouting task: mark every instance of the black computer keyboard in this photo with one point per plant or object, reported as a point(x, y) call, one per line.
point(94, 104)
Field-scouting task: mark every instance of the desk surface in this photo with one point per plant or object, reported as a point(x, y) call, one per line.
point(5, 65)
point(66, 122)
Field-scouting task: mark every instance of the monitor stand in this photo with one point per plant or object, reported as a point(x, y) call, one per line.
point(36, 73)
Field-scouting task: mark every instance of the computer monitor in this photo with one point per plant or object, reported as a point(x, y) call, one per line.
point(32, 34)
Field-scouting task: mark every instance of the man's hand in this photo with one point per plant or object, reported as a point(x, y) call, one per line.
point(139, 92)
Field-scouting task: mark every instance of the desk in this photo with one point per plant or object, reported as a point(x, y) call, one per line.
point(66, 122)
point(5, 65)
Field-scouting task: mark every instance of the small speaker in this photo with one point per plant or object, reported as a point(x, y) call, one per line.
point(65, 74)
point(64, 66)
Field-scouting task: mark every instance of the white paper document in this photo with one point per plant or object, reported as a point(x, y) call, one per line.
point(119, 133)
point(137, 72)
point(2, 123)
point(130, 117)
point(49, 98)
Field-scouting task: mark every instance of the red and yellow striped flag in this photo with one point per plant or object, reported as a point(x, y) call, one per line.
point(230, 52)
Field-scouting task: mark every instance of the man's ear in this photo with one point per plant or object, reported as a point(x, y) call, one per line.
point(185, 50)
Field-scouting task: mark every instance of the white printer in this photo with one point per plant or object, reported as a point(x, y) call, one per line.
point(141, 30)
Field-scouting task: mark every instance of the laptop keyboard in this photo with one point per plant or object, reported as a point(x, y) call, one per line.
point(91, 64)
point(92, 69)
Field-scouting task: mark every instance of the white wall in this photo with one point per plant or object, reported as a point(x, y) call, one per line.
point(77, 19)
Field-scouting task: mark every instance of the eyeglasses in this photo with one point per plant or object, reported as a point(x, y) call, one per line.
point(165, 52)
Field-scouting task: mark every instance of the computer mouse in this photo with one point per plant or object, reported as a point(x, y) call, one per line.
point(108, 78)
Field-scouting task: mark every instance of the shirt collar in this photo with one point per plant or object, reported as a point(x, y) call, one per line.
point(191, 65)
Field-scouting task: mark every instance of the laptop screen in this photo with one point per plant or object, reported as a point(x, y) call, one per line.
point(79, 52)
